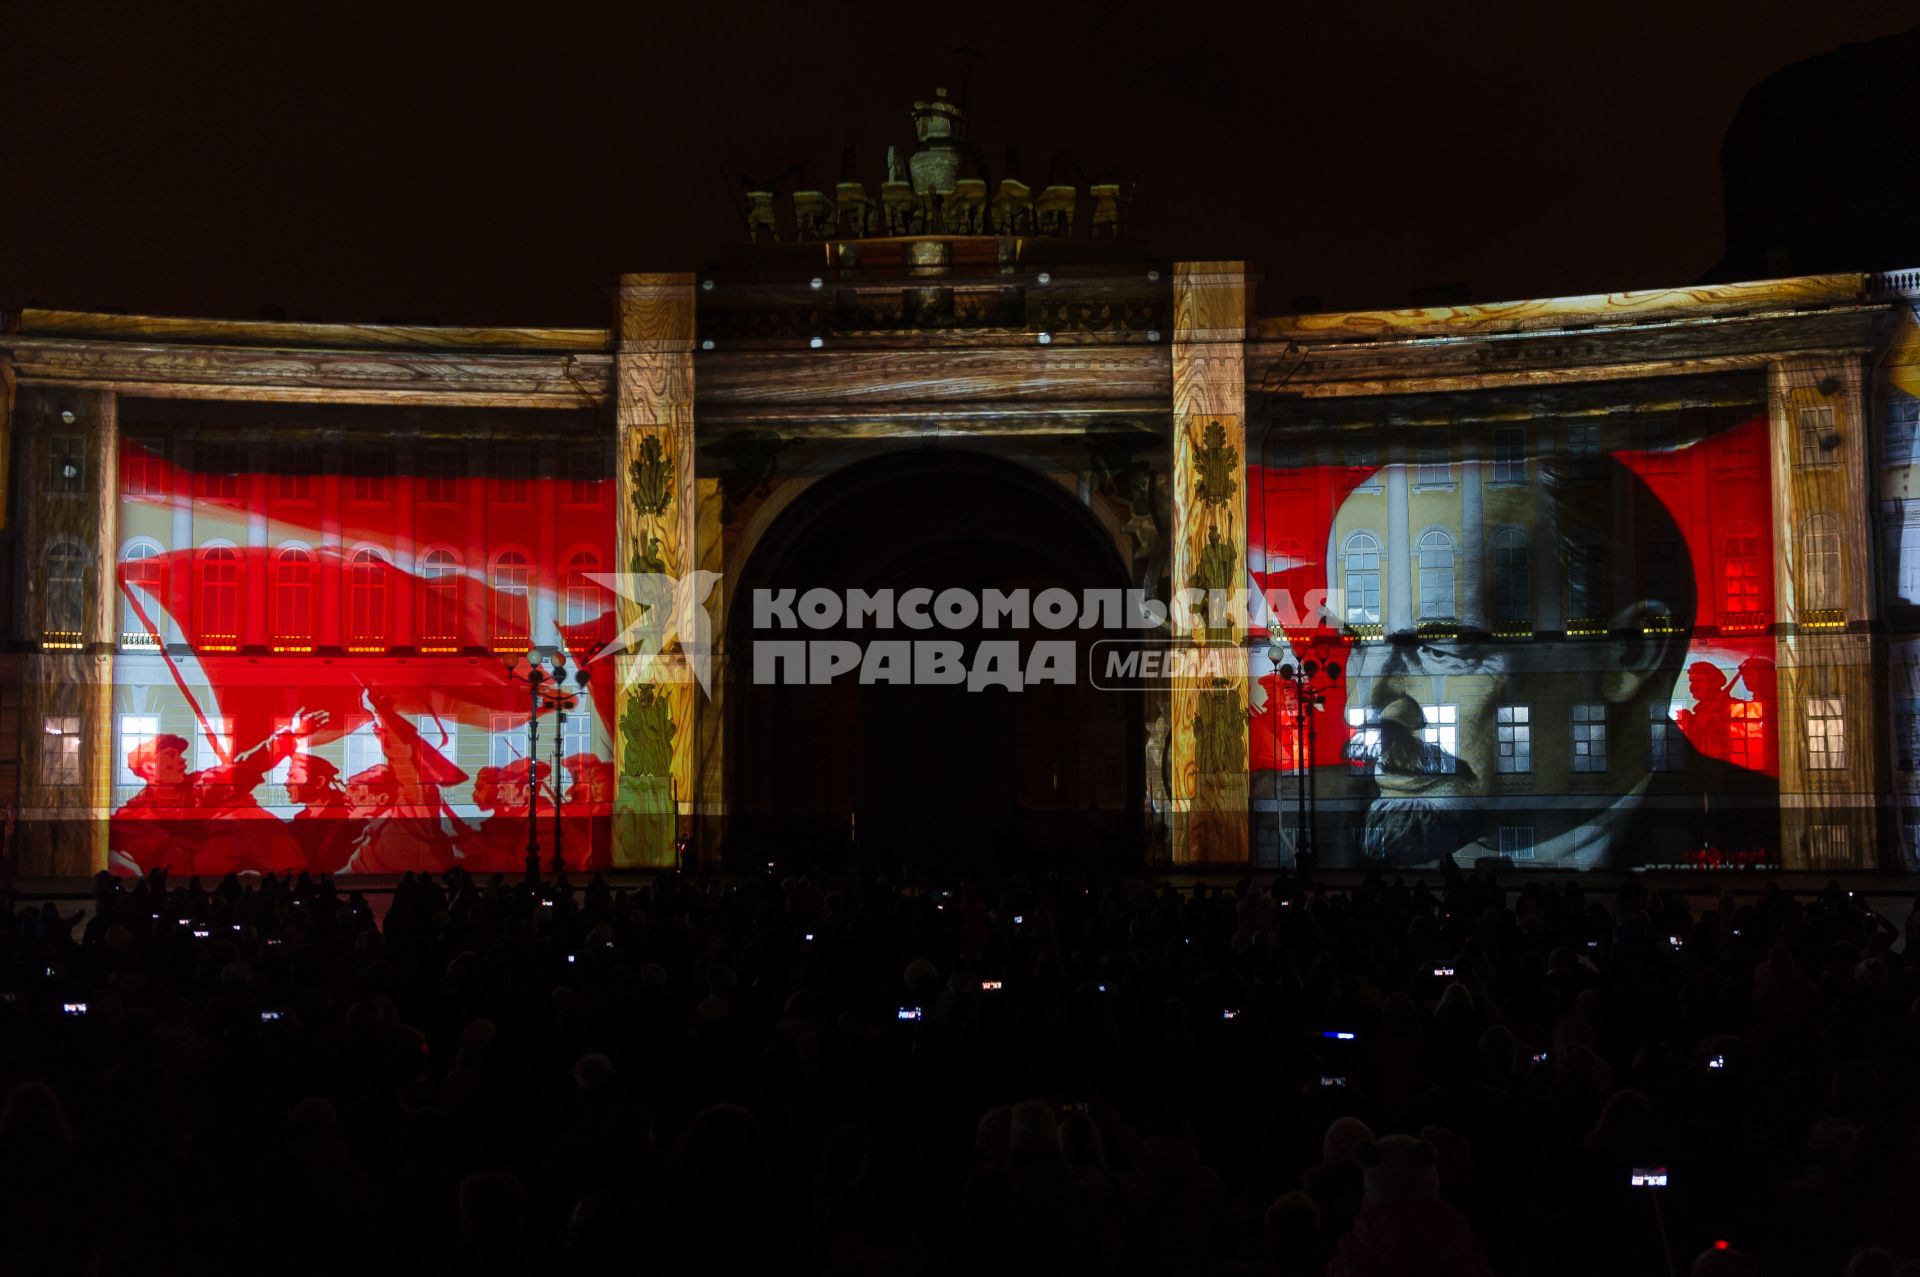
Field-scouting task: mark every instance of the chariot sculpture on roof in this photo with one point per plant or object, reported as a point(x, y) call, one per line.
point(940, 189)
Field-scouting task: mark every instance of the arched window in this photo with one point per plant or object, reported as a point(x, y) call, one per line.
point(439, 600)
point(366, 600)
point(1820, 562)
point(293, 599)
point(218, 620)
point(511, 586)
point(1285, 555)
point(1740, 568)
point(65, 610)
point(1512, 569)
point(1363, 579)
point(586, 600)
point(1436, 575)
point(143, 575)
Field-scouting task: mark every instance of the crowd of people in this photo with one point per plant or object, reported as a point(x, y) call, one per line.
point(843, 1074)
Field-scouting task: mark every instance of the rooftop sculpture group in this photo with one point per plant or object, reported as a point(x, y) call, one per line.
point(938, 190)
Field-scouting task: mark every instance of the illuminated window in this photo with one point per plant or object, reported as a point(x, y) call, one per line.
point(511, 467)
point(293, 472)
point(1516, 842)
point(1442, 730)
point(1583, 450)
point(1511, 569)
point(1509, 455)
point(508, 740)
point(1286, 555)
point(439, 475)
point(360, 749)
point(1363, 741)
point(141, 466)
point(1906, 733)
point(366, 600)
point(293, 599)
point(1830, 846)
point(219, 617)
point(512, 580)
point(577, 735)
point(585, 599)
point(1820, 562)
point(60, 750)
point(135, 730)
point(66, 465)
point(220, 466)
point(143, 572)
point(211, 741)
point(1816, 428)
point(1363, 579)
point(1666, 743)
point(1589, 738)
point(1436, 460)
point(64, 607)
point(1436, 575)
point(368, 482)
point(1826, 734)
point(1909, 564)
point(1740, 568)
point(439, 599)
point(1514, 730)
point(1587, 581)
point(1747, 735)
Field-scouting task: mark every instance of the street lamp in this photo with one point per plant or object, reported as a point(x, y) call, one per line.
point(1310, 680)
point(546, 681)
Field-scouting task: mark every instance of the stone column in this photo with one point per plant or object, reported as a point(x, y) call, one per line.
point(1543, 550)
point(62, 830)
point(1398, 585)
point(1470, 571)
point(1208, 742)
point(1829, 817)
point(658, 701)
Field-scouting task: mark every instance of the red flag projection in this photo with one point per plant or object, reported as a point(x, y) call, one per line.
point(312, 672)
point(1573, 657)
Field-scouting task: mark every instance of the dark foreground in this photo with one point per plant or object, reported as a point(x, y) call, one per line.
point(848, 1076)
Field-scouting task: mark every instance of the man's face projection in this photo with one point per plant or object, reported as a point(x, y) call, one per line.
point(1428, 731)
point(1442, 714)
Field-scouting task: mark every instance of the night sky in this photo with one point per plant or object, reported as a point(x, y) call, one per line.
point(502, 166)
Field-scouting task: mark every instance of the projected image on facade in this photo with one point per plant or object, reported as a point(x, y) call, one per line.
point(1554, 632)
point(317, 635)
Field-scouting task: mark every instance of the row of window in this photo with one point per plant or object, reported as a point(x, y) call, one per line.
point(292, 615)
point(356, 751)
point(1739, 450)
point(222, 471)
point(1826, 736)
point(1743, 571)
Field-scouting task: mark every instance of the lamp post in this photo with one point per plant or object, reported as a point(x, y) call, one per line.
point(562, 700)
point(545, 679)
point(1310, 680)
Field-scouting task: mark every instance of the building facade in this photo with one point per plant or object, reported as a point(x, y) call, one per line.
point(1608, 582)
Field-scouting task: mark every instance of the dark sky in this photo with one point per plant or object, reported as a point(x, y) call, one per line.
point(484, 166)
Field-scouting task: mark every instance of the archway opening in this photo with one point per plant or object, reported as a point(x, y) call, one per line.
point(933, 776)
